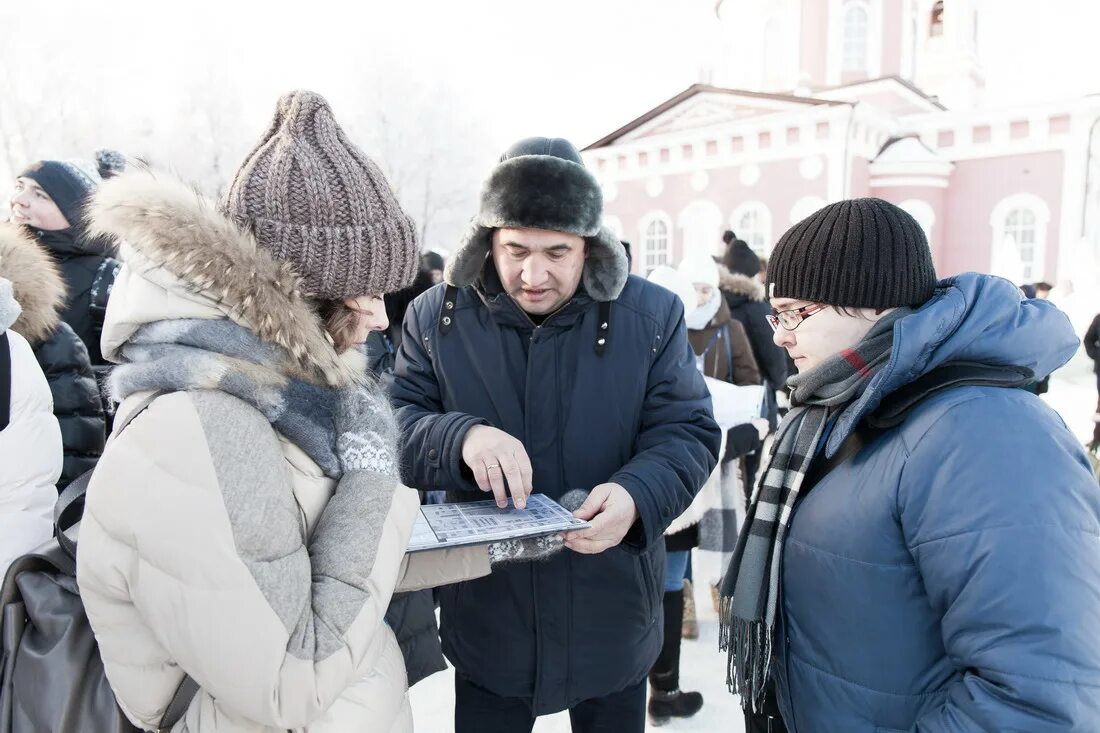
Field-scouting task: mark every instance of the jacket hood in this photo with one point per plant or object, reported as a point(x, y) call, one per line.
point(201, 264)
point(36, 283)
point(738, 284)
point(972, 318)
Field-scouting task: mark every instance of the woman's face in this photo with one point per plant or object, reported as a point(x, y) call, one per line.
point(370, 311)
point(703, 293)
point(33, 207)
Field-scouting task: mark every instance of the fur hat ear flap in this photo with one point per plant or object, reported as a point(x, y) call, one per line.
point(465, 267)
point(606, 269)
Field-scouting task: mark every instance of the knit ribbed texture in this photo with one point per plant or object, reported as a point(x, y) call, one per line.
point(314, 199)
point(859, 253)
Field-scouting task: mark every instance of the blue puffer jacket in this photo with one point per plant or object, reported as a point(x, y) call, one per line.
point(575, 626)
point(947, 577)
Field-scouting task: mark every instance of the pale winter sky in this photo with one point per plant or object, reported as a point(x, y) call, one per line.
point(473, 75)
point(577, 68)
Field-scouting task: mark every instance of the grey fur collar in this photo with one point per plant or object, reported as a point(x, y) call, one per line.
point(738, 284)
point(36, 283)
point(175, 227)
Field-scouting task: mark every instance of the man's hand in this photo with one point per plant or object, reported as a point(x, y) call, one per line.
point(496, 457)
point(611, 511)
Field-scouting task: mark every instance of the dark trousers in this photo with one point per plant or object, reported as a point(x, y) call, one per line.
point(479, 711)
point(768, 719)
point(1096, 426)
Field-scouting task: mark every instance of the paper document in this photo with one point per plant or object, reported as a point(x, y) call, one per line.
point(735, 405)
point(481, 522)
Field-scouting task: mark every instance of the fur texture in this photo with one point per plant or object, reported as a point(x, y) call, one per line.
point(175, 227)
point(543, 192)
point(36, 283)
point(739, 284)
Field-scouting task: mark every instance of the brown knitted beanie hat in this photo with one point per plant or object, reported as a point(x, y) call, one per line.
point(315, 200)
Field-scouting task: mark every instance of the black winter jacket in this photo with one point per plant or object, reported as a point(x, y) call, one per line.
point(76, 403)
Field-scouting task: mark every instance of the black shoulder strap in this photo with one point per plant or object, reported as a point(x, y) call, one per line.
point(724, 335)
point(5, 381)
point(73, 494)
point(447, 309)
point(179, 703)
point(897, 405)
point(72, 498)
point(603, 330)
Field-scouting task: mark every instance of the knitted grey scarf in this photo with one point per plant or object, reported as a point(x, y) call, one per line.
point(189, 354)
point(750, 588)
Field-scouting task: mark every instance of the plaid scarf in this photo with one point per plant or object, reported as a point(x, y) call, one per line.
point(750, 588)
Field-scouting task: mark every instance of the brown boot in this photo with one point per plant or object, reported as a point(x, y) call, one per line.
point(690, 627)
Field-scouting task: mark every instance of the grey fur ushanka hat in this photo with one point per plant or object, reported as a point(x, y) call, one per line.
point(541, 183)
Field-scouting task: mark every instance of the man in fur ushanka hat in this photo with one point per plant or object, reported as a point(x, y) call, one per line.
point(541, 365)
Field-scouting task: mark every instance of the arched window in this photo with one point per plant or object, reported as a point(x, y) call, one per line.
point(935, 27)
point(1019, 225)
point(753, 223)
point(656, 242)
point(855, 37)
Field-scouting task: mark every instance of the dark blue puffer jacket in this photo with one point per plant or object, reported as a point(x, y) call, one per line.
point(947, 577)
point(576, 626)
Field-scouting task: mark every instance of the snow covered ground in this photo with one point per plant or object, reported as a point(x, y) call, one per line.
point(1072, 394)
point(702, 668)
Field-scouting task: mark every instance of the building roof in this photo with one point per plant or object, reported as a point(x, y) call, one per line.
point(907, 85)
point(694, 90)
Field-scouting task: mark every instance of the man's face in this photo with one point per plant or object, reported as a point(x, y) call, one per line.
point(821, 334)
point(540, 269)
point(33, 207)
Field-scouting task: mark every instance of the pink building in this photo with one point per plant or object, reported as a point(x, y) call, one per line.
point(1012, 191)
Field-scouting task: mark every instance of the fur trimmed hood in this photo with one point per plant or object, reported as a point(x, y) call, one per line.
point(36, 283)
point(164, 225)
point(542, 184)
point(738, 284)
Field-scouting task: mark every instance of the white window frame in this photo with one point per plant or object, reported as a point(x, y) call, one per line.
point(1009, 264)
point(758, 238)
point(854, 44)
point(644, 249)
point(835, 60)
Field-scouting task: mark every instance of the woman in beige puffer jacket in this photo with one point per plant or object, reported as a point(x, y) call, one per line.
point(249, 527)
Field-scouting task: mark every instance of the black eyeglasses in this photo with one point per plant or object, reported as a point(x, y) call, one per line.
point(789, 319)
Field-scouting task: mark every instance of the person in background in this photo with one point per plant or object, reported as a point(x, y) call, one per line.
point(48, 201)
point(432, 263)
point(30, 442)
point(60, 353)
point(1092, 348)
